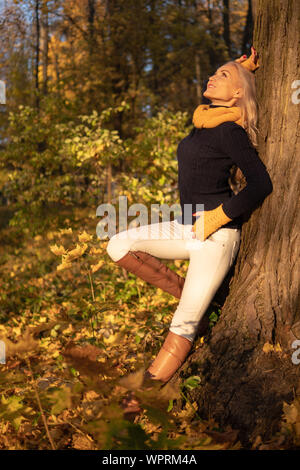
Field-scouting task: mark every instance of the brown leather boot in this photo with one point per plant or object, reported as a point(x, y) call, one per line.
point(152, 270)
point(170, 357)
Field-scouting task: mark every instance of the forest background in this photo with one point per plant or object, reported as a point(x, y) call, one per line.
point(99, 93)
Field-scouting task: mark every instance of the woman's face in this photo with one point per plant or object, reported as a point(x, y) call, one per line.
point(223, 87)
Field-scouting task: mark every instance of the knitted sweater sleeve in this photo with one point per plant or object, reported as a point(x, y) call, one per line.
point(236, 144)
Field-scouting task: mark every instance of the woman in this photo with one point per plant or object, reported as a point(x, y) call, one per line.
point(224, 135)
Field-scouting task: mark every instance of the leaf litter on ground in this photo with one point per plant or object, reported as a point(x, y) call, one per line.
point(89, 332)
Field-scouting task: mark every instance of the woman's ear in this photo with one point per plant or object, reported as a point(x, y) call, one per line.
point(238, 93)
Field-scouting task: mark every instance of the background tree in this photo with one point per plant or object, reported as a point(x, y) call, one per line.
point(95, 54)
point(246, 369)
point(226, 21)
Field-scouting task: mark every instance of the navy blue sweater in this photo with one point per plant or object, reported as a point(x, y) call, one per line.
point(205, 157)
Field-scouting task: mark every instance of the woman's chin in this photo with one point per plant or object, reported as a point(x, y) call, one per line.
point(207, 94)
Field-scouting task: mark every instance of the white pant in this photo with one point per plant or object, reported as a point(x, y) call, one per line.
point(209, 263)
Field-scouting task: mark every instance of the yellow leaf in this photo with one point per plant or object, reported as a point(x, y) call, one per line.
point(90, 395)
point(17, 330)
point(57, 250)
point(76, 253)
point(188, 411)
point(96, 251)
point(85, 237)
point(50, 235)
point(65, 230)
point(68, 330)
point(63, 265)
point(109, 318)
point(53, 418)
point(96, 267)
point(268, 348)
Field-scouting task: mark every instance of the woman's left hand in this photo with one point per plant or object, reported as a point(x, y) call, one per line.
point(253, 58)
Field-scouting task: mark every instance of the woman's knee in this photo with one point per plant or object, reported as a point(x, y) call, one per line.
point(117, 248)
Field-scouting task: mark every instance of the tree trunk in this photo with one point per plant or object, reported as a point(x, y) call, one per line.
point(226, 26)
point(248, 31)
point(242, 384)
point(109, 182)
point(91, 38)
point(45, 46)
point(198, 77)
point(37, 52)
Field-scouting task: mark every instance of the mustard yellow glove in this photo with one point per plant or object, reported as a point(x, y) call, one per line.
point(251, 63)
point(209, 222)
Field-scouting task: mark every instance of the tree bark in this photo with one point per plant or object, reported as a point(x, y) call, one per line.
point(242, 384)
point(226, 25)
point(248, 31)
point(91, 12)
point(198, 77)
point(37, 52)
point(109, 182)
point(45, 46)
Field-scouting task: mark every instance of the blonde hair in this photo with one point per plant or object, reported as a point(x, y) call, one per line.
point(249, 114)
point(248, 102)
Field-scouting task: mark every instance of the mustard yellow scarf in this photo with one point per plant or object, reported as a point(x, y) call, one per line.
point(204, 116)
